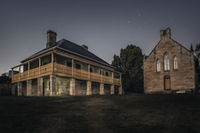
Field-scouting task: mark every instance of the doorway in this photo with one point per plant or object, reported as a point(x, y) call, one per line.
point(167, 83)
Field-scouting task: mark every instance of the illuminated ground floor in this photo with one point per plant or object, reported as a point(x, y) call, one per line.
point(53, 85)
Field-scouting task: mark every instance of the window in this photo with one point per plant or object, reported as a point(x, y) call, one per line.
point(94, 69)
point(69, 63)
point(25, 67)
point(166, 62)
point(116, 75)
point(34, 64)
point(63, 60)
point(158, 65)
point(45, 60)
point(175, 63)
point(78, 66)
point(107, 73)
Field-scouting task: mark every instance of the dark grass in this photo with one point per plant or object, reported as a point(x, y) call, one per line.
point(112, 114)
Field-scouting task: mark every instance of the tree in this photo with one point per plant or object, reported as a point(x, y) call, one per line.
point(5, 79)
point(130, 63)
point(5, 84)
point(197, 50)
point(191, 48)
point(197, 71)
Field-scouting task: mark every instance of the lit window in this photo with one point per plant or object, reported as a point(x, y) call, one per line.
point(166, 62)
point(158, 65)
point(175, 63)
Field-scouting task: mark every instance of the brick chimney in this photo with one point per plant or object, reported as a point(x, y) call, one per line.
point(165, 33)
point(51, 38)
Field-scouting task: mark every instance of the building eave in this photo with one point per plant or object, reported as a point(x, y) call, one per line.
point(108, 65)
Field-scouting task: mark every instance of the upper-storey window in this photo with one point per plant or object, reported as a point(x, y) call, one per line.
point(158, 65)
point(94, 69)
point(78, 66)
point(25, 66)
point(81, 65)
point(63, 60)
point(175, 63)
point(166, 62)
point(116, 75)
point(45, 60)
point(107, 73)
point(34, 64)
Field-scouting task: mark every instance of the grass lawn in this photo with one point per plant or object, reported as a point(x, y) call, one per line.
point(101, 114)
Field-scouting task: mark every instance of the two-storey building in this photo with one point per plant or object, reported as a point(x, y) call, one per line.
point(64, 68)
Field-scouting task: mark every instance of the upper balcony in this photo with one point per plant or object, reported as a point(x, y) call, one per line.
point(62, 66)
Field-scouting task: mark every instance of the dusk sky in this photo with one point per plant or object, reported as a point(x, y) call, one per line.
point(105, 26)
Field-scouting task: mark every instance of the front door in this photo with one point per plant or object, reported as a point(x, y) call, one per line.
point(167, 83)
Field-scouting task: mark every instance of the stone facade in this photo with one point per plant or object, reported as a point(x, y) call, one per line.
point(181, 73)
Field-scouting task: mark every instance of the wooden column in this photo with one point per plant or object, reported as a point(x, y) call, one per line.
point(101, 73)
point(72, 68)
point(112, 77)
point(120, 87)
point(52, 61)
point(39, 65)
point(19, 72)
point(28, 68)
point(12, 74)
point(88, 71)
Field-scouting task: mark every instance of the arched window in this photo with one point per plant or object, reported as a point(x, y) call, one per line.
point(175, 63)
point(158, 65)
point(166, 62)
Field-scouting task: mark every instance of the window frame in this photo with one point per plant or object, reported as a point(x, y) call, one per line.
point(158, 67)
point(166, 62)
point(175, 63)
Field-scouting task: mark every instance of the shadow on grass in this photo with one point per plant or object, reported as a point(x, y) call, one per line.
point(136, 113)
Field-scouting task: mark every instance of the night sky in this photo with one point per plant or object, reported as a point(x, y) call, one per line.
point(105, 26)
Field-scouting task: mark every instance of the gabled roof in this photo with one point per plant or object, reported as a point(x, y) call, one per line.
point(173, 41)
point(73, 48)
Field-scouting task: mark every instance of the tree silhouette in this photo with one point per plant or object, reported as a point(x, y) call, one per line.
point(5, 85)
point(130, 64)
point(197, 71)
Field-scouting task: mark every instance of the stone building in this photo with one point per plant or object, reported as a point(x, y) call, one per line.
point(64, 68)
point(170, 67)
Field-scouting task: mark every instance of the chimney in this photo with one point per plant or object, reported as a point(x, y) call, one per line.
point(85, 46)
point(51, 38)
point(165, 33)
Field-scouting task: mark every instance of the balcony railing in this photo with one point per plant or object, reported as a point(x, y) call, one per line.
point(62, 70)
point(33, 73)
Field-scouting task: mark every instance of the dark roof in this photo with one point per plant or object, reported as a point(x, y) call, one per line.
point(74, 48)
point(45, 49)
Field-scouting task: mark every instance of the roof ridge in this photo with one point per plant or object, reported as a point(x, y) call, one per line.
point(171, 40)
point(92, 54)
point(71, 47)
